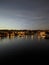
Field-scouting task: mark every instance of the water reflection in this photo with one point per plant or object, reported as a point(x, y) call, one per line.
point(2, 38)
point(29, 36)
point(10, 37)
point(37, 36)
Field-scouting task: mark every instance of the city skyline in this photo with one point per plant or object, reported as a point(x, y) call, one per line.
point(24, 14)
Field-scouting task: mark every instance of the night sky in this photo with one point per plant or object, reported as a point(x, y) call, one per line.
point(24, 14)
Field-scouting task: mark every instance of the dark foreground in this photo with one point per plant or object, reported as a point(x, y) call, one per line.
point(24, 51)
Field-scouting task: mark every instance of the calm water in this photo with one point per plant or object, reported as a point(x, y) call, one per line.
point(28, 44)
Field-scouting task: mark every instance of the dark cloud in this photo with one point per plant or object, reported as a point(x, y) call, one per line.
point(31, 14)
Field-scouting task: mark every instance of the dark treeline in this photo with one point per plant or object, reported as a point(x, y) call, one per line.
point(21, 30)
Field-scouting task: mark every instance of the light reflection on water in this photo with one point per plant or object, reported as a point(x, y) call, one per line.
point(21, 37)
point(38, 37)
point(27, 42)
point(19, 44)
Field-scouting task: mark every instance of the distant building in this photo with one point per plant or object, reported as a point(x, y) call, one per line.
point(42, 34)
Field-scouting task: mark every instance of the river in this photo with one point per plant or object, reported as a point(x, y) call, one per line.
point(19, 46)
